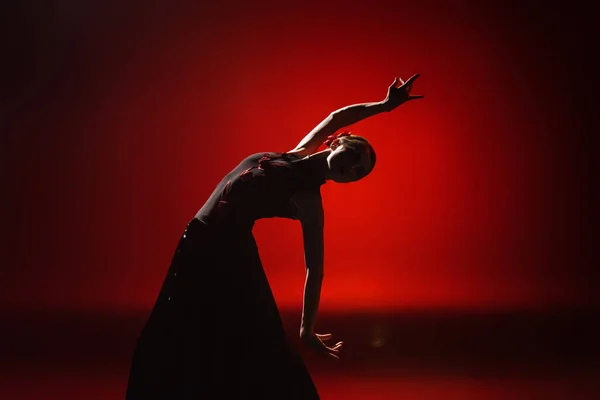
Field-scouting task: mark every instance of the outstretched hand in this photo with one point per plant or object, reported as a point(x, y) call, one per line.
point(317, 342)
point(400, 92)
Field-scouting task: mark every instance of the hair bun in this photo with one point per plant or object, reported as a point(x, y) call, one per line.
point(331, 138)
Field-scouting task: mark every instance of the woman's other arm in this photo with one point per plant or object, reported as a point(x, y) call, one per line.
point(398, 93)
point(311, 216)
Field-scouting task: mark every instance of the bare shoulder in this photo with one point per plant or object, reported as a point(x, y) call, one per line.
point(309, 205)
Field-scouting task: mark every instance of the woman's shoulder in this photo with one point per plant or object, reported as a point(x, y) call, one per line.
point(290, 164)
point(272, 158)
point(271, 155)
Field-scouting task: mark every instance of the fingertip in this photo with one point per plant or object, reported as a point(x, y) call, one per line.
point(414, 77)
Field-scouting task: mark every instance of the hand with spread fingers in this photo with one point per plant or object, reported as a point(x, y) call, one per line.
point(317, 342)
point(400, 92)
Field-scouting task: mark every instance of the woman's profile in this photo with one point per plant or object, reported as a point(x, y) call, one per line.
point(215, 331)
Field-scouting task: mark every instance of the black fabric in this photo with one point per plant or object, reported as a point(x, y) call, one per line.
point(215, 331)
point(259, 187)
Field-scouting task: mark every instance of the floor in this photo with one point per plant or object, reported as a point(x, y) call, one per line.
point(427, 355)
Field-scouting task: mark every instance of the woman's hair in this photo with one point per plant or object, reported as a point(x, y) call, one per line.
point(359, 145)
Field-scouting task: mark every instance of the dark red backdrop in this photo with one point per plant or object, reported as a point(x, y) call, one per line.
point(125, 117)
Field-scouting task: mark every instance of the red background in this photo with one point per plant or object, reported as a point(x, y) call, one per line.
point(123, 118)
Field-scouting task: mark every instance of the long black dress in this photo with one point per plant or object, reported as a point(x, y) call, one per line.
point(215, 331)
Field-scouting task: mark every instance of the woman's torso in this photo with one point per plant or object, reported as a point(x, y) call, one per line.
point(260, 186)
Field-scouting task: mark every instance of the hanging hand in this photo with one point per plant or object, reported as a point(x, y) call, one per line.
point(317, 342)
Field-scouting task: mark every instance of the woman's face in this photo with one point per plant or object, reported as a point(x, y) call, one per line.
point(346, 165)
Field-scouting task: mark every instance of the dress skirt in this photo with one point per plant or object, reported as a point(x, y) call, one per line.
point(215, 331)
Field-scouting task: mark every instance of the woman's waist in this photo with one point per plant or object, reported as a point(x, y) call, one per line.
point(219, 223)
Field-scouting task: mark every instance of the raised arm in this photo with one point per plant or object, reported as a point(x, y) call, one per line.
point(398, 93)
point(310, 214)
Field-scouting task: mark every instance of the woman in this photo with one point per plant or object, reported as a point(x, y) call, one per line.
point(215, 331)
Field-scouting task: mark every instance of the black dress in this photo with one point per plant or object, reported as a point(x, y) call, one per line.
point(215, 331)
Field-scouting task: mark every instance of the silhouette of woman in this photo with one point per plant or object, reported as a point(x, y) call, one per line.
point(215, 331)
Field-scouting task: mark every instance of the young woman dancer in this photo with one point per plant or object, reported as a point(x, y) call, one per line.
point(215, 331)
